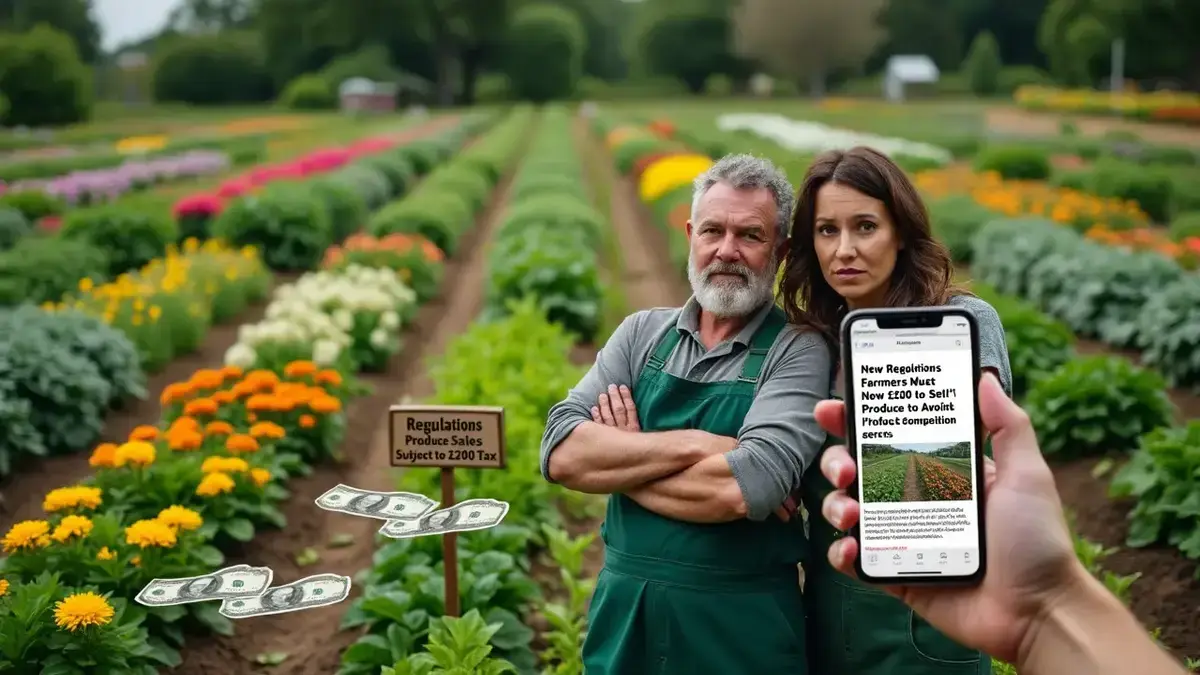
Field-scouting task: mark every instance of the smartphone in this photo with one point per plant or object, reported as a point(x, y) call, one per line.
point(913, 427)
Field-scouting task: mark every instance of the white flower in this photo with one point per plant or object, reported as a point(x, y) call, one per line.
point(389, 320)
point(240, 355)
point(379, 338)
point(344, 319)
point(325, 352)
point(803, 136)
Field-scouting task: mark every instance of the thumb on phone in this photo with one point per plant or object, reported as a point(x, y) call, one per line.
point(1012, 433)
point(831, 415)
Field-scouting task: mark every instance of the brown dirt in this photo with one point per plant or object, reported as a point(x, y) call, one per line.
point(23, 491)
point(311, 638)
point(1168, 594)
point(1008, 119)
point(912, 491)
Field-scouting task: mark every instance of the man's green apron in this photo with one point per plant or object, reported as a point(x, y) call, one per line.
point(856, 629)
point(683, 598)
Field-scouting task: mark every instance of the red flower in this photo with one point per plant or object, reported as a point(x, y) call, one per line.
point(203, 205)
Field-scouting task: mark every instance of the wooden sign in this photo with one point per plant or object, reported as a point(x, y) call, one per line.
point(447, 437)
point(468, 437)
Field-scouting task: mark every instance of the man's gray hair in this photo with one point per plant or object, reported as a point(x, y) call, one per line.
point(747, 172)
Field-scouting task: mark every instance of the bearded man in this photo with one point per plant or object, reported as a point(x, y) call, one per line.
point(698, 422)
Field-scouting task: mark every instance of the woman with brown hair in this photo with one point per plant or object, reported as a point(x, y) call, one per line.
point(860, 238)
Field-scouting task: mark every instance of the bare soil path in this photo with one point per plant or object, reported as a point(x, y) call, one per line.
point(912, 489)
point(311, 639)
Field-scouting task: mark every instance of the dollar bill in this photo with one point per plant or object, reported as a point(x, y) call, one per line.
point(231, 582)
point(318, 590)
point(473, 514)
point(372, 504)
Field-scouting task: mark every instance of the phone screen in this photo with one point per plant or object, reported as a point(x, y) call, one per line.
point(912, 395)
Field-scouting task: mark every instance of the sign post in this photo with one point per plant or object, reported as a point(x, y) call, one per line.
point(447, 437)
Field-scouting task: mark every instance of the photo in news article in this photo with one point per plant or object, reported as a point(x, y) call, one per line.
point(916, 439)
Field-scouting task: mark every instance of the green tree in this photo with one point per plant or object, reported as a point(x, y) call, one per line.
point(73, 17)
point(690, 43)
point(43, 78)
point(1074, 34)
point(211, 69)
point(983, 65)
point(545, 52)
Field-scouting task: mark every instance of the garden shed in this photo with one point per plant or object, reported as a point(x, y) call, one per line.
point(904, 71)
point(358, 94)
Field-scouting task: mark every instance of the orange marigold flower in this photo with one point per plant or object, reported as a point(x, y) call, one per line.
point(241, 443)
point(242, 389)
point(307, 421)
point(223, 397)
point(185, 439)
point(144, 432)
point(329, 377)
point(325, 404)
point(174, 393)
point(218, 428)
point(232, 372)
point(261, 403)
point(267, 430)
point(200, 406)
point(297, 369)
point(262, 380)
point(103, 455)
point(207, 379)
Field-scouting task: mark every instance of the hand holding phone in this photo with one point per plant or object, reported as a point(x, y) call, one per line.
point(913, 428)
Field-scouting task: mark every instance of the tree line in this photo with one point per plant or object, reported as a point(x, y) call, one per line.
point(456, 51)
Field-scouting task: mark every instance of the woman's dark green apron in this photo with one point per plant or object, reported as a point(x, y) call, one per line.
point(677, 597)
point(856, 629)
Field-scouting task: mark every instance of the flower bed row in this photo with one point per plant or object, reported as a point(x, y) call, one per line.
point(548, 244)
point(169, 500)
point(1128, 299)
point(1164, 106)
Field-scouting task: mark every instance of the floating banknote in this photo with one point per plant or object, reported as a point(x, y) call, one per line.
point(318, 590)
point(231, 582)
point(371, 504)
point(473, 514)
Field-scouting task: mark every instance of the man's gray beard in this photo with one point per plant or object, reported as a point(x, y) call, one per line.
point(728, 299)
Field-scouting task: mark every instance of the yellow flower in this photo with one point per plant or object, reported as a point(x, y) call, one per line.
point(180, 518)
point(82, 610)
point(224, 465)
point(72, 526)
point(146, 533)
point(76, 497)
point(27, 534)
point(214, 484)
point(260, 476)
point(105, 554)
point(3, 587)
point(140, 453)
point(670, 172)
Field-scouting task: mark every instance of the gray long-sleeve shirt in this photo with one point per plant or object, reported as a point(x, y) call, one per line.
point(779, 437)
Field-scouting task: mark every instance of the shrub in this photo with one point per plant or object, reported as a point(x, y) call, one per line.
point(1003, 250)
point(1170, 340)
point(1185, 225)
point(129, 237)
point(371, 184)
point(112, 353)
point(529, 185)
point(544, 52)
point(457, 178)
point(438, 217)
point(13, 226)
point(33, 204)
point(195, 214)
point(983, 66)
point(287, 223)
point(1151, 188)
point(347, 208)
point(956, 219)
point(1014, 162)
point(1037, 343)
point(43, 269)
point(67, 395)
point(1164, 477)
point(211, 69)
point(43, 79)
point(1096, 404)
point(555, 212)
point(396, 167)
point(309, 92)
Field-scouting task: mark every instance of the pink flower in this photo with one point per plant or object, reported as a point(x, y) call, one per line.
point(203, 205)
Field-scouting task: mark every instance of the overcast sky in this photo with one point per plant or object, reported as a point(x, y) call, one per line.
point(125, 20)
